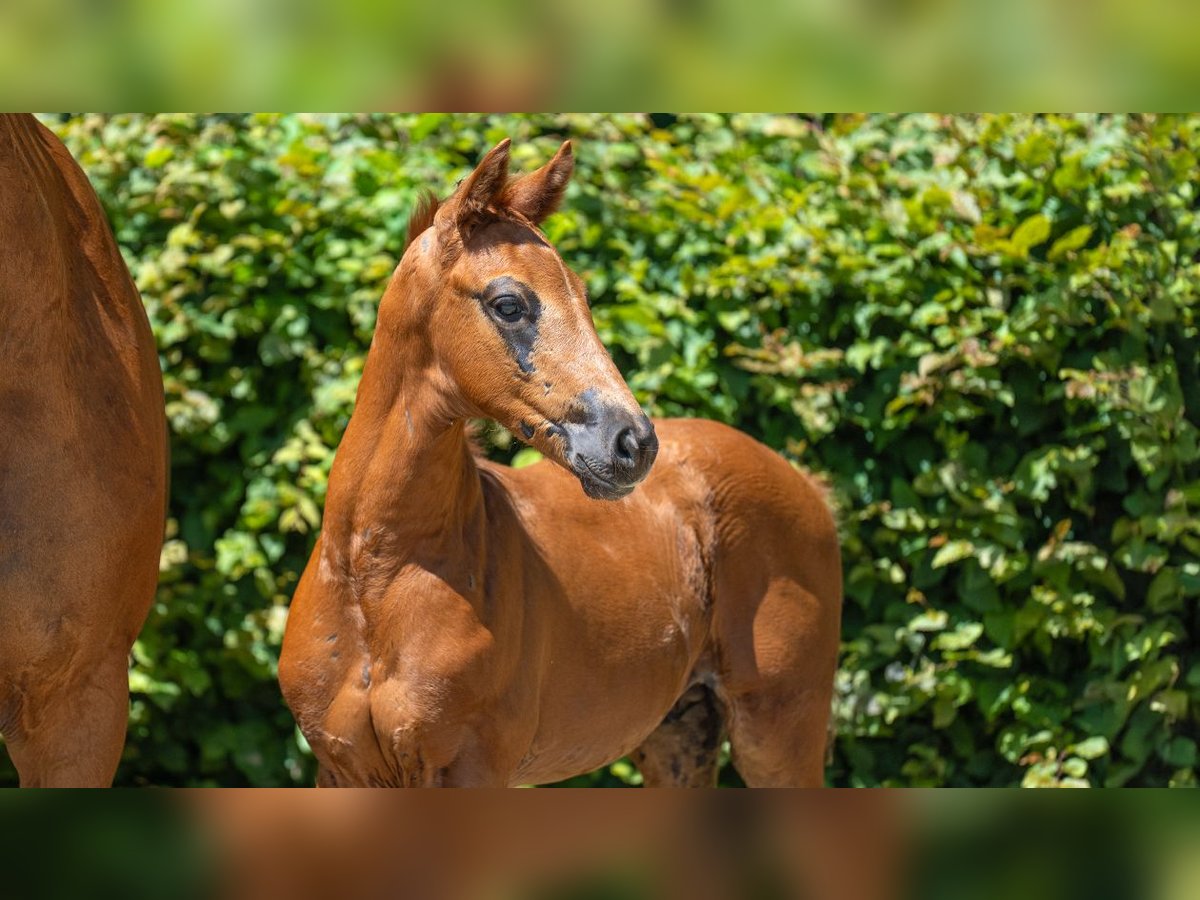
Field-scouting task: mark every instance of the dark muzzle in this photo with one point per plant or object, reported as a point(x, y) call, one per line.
point(612, 454)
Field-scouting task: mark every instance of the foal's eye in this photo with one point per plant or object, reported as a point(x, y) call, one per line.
point(508, 308)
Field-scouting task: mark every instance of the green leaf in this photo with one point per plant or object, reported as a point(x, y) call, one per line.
point(1030, 233)
point(1075, 767)
point(952, 552)
point(1165, 591)
point(1180, 751)
point(930, 620)
point(1072, 240)
point(964, 635)
point(157, 156)
point(526, 456)
point(1091, 748)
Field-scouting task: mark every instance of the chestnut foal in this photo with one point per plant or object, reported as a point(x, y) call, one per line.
point(463, 623)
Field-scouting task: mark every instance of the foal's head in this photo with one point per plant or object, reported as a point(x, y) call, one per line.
point(508, 330)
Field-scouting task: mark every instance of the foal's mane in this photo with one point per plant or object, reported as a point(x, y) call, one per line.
point(422, 215)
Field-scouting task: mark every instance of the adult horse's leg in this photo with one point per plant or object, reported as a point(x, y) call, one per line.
point(70, 730)
point(64, 650)
point(682, 751)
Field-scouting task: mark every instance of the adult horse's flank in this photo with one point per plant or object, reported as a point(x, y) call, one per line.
point(82, 467)
point(462, 623)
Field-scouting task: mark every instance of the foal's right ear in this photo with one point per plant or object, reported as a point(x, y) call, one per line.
point(476, 193)
point(538, 194)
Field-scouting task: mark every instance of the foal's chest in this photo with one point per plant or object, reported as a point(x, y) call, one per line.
point(543, 671)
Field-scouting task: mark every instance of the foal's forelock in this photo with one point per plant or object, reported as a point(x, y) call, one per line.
point(425, 212)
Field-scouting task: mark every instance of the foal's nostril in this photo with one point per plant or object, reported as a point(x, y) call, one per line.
point(627, 446)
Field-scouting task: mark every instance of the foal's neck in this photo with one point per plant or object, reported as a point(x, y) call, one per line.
point(404, 486)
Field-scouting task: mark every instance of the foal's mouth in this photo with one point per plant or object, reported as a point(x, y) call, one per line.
point(611, 452)
point(597, 486)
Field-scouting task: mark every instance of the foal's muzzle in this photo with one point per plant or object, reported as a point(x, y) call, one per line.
point(611, 455)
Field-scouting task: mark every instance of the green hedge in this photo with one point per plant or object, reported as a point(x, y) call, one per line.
point(982, 330)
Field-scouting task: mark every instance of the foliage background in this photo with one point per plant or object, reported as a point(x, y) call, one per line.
point(981, 330)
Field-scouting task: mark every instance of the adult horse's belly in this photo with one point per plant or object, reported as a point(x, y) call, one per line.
point(619, 595)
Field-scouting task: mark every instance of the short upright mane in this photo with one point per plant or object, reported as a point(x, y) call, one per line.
point(422, 215)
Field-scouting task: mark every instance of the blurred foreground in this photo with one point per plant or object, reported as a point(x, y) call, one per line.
point(703, 53)
point(562, 845)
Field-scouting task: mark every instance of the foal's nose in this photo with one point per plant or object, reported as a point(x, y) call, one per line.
point(634, 449)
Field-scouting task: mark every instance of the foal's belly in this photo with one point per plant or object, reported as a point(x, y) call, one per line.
point(623, 621)
point(607, 681)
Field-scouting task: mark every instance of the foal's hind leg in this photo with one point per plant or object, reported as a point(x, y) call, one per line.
point(778, 738)
point(682, 751)
point(779, 698)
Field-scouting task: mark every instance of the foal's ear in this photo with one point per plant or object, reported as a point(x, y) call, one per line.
point(478, 191)
point(538, 194)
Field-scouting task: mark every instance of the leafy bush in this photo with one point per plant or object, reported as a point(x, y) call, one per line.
point(982, 330)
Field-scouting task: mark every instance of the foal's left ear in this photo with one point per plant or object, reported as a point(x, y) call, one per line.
point(538, 194)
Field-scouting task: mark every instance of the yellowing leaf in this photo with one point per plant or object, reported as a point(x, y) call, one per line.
point(1030, 233)
point(1091, 748)
point(952, 552)
point(1072, 240)
point(526, 456)
point(158, 156)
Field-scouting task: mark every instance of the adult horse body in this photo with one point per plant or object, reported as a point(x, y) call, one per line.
point(82, 467)
point(462, 623)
